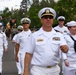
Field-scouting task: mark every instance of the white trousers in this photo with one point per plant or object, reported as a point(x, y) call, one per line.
point(18, 64)
point(1, 55)
point(18, 67)
point(71, 70)
point(21, 60)
point(36, 70)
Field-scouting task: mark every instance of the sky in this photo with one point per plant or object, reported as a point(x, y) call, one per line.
point(15, 4)
point(10, 3)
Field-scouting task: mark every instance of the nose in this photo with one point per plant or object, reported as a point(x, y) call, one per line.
point(48, 18)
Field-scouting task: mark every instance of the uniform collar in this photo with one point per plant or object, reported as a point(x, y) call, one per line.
point(41, 31)
point(60, 27)
point(27, 31)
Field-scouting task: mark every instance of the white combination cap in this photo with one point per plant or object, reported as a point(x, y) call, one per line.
point(47, 11)
point(61, 18)
point(20, 27)
point(0, 24)
point(71, 23)
point(25, 21)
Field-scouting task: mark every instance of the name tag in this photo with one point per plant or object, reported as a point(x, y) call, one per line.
point(39, 40)
point(56, 38)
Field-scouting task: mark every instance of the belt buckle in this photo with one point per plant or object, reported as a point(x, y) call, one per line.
point(49, 66)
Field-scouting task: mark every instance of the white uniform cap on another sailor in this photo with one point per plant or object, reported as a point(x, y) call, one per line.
point(47, 11)
point(71, 23)
point(61, 18)
point(25, 21)
point(0, 24)
point(20, 27)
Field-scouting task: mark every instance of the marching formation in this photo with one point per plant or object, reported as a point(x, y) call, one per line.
point(41, 51)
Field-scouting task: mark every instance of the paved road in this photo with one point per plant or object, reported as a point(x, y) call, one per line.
point(9, 65)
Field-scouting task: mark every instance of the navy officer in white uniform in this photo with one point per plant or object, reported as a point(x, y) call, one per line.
point(21, 41)
point(69, 66)
point(60, 27)
point(42, 49)
point(3, 45)
point(19, 28)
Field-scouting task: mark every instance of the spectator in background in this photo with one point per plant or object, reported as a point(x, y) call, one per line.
point(8, 30)
point(14, 31)
point(12, 22)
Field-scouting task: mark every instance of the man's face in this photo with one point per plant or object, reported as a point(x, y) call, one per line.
point(47, 20)
point(26, 26)
point(61, 22)
point(72, 30)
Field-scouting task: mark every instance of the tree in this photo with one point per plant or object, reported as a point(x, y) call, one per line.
point(67, 9)
point(24, 6)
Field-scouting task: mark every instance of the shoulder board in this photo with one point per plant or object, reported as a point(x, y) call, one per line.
point(57, 31)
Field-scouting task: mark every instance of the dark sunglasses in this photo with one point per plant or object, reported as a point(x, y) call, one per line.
point(61, 19)
point(19, 30)
point(46, 17)
point(25, 23)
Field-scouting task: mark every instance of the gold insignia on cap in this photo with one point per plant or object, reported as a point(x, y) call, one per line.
point(25, 21)
point(47, 11)
point(20, 28)
point(39, 40)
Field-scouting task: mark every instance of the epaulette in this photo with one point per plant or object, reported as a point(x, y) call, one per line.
point(56, 30)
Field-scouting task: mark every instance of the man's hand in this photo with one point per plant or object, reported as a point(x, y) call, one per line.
point(6, 50)
point(16, 58)
point(64, 48)
point(66, 63)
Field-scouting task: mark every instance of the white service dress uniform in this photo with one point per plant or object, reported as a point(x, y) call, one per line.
point(17, 63)
point(22, 39)
point(70, 56)
point(61, 29)
point(3, 42)
point(45, 49)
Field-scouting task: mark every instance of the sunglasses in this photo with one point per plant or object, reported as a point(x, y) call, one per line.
point(25, 23)
point(19, 30)
point(61, 19)
point(46, 17)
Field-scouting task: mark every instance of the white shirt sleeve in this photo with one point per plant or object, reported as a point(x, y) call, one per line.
point(64, 56)
point(17, 39)
point(14, 38)
point(63, 41)
point(5, 41)
point(30, 47)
